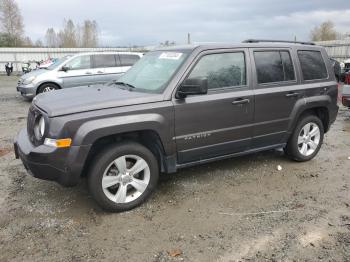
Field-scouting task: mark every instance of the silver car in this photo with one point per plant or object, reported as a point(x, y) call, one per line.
point(77, 70)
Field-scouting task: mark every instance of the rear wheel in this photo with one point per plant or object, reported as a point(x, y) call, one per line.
point(47, 88)
point(306, 140)
point(123, 176)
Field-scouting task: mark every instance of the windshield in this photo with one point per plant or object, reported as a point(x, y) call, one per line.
point(153, 71)
point(58, 62)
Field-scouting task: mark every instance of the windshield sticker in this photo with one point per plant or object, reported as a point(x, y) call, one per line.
point(170, 55)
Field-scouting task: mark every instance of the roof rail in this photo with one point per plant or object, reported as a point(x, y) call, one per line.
point(276, 41)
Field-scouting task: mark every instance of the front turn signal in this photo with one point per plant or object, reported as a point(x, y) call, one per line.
point(64, 142)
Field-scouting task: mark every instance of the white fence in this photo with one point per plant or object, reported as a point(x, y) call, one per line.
point(337, 49)
point(17, 56)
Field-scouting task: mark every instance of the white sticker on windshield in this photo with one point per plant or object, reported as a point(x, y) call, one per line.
point(170, 55)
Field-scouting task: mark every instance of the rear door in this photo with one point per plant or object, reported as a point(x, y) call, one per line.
point(217, 123)
point(107, 66)
point(79, 72)
point(127, 61)
point(276, 90)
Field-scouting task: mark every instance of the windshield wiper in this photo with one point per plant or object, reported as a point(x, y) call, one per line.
point(124, 84)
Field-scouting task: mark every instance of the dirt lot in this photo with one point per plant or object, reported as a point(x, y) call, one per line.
point(233, 210)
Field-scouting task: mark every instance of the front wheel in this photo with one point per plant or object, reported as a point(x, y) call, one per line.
point(47, 88)
point(306, 140)
point(123, 176)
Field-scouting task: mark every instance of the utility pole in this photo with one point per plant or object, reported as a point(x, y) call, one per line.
point(188, 38)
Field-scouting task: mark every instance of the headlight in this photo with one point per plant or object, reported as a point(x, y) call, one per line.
point(39, 128)
point(29, 80)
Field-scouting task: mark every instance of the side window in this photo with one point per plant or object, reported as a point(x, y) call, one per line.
point(312, 65)
point(128, 60)
point(101, 61)
point(221, 70)
point(80, 62)
point(273, 66)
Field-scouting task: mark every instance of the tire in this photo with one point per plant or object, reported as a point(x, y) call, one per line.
point(302, 145)
point(118, 192)
point(47, 88)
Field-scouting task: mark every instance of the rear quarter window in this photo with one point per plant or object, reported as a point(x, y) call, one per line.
point(312, 65)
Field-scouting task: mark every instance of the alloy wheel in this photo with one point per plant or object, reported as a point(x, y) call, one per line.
point(309, 139)
point(48, 89)
point(126, 178)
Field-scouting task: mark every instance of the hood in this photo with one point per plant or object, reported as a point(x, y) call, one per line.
point(88, 98)
point(34, 72)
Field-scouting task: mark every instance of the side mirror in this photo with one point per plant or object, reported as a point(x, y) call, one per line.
point(64, 68)
point(193, 86)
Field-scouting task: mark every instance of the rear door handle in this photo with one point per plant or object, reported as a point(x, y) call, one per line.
point(293, 94)
point(240, 101)
point(88, 73)
point(99, 72)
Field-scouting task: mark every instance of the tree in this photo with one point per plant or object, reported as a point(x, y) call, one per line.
point(324, 32)
point(51, 38)
point(38, 43)
point(11, 21)
point(5, 40)
point(74, 35)
point(27, 42)
point(89, 34)
point(67, 36)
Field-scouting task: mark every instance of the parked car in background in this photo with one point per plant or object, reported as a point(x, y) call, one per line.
point(179, 107)
point(347, 65)
point(346, 96)
point(336, 68)
point(345, 69)
point(77, 70)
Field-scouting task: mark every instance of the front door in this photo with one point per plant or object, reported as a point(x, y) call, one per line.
point(217, 123)
point(79, 73)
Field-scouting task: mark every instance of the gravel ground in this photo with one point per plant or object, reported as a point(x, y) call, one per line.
point(241, 209)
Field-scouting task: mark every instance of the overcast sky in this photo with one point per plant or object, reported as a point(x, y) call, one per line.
point(132, 22)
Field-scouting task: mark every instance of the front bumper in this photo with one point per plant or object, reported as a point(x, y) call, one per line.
point(63, 165)
point(28, 91)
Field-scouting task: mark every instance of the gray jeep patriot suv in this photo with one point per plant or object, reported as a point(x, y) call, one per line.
point(178, 107)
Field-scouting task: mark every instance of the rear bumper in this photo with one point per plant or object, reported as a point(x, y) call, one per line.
point(63, 165)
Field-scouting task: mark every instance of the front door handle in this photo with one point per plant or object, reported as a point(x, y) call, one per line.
point(88, 73)
point(293, 94)
point(240, 101)
point(99, 72)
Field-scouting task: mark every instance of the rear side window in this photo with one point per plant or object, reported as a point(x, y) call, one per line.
point(312, 65)
point(128, 60)
point(274, 66)
point(221, 70)
point(101, 61)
